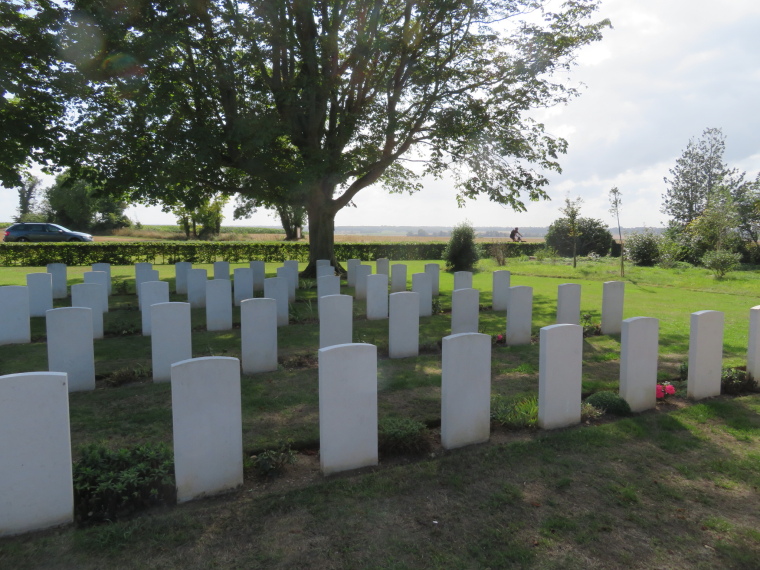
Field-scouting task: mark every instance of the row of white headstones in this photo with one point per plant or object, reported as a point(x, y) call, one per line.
point(35, 476)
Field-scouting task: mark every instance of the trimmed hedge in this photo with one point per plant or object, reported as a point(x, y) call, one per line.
point(161, 252)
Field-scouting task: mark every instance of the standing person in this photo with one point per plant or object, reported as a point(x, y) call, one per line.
point(515, 235)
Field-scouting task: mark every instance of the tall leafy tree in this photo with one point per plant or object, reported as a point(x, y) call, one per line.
point(572, 212)
point(698, 173)
point(28, 191)
point(308, 102)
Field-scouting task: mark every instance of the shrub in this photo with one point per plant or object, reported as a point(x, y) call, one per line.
point(643, 248)
point(721, 262)
point(736, 381)
point(593, 237)
point(272, 462)
point(461, 252)
point(670, 252)
point(547, 253)
point(610, 402)
point(398, 436)
point(109, 485)
point(589, 412)
point(515, 412)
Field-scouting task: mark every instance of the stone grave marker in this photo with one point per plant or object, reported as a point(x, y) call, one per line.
point(70, 347)
point(258, 335)
point(559, 376)
point(14, 309)
point(171, 340)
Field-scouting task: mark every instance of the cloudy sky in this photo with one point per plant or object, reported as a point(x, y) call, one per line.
point(667, 70)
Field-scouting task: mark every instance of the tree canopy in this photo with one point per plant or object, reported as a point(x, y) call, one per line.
point(307, 102)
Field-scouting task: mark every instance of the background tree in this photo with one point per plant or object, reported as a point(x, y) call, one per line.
point(461, 252)
point(32, 85)
point(28, 190)
point(592, 236)
point(321, 99)
point(572, 211)
point(208, 216)
point(698, 172)
point(75, 203)
point(292, 217)
point(616, 199)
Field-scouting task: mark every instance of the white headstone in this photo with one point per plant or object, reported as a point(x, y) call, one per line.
point(40, 286)
point(171, 340)
point(207, 425)
point(612, 307)
point(90, 295)
point(105, 267)
point(569, 304)
point(58, 271)
point(325, 271)
point(286, 273)
point(398, 278)
point(35, 444)
point(465, 307)
point(559, 376)
point(501, 283)
point(277, 288)
point(705, 354)
point(222, 270)
point(242, 284)
point(347, 407)
point(292, 264)
point(180, 276)
point(465, 390)
point(14, 309)
point(462, 280)
point(434, 270)
point(218, 305)
point(377, 297)
point(753, 346)
point(336, 320)
point(328, 285)
point(323, 262)
point(70, 347)
point(142, 274)
point(382, 266)
point(519, 315)
point(351, 265)
point(258, 335)
point(638, 362)
point(404, 324)
point(101, 278)
point(421, 284)
point(151, 292)
point(361, 272)
point(259, 274)
point(196, 288)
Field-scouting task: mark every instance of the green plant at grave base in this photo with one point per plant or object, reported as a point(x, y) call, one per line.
point(272, 462)
point(683, 370)
point(736, 381)
point(610, 403)
point(109, 485)
point(590, 328)
point(120, 287)
point(122, 327)
point(127, 375)
point(401, 436)
point(515, 412)
point(437, 307)
point(590, 412)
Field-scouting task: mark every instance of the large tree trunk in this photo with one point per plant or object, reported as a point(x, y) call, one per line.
point(321, 213)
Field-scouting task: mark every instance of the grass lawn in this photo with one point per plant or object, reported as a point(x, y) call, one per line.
point(676, 487)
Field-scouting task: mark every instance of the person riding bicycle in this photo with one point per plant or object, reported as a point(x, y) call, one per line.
point(515, 235)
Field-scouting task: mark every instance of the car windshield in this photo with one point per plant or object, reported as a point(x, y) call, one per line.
point(56, 227)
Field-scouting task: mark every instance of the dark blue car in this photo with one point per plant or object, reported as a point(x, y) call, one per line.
point(29, 231)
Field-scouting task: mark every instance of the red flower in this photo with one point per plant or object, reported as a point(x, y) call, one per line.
point(660, 391)
point(499, 337)
point(670, 389)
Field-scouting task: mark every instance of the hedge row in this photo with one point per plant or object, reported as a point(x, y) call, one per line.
point(129, 253)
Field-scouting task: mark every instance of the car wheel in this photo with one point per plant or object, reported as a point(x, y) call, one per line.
point(73, 239)
point(22, 239)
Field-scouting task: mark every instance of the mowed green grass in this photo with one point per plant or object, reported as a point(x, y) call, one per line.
point(676, 487)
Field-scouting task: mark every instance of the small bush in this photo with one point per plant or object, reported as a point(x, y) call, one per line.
point(610, 402)
point(671, 253)
point(721, 262)
point(643, 248)
point(590, 328)
point(400, 436)
point(272, 462)
point(736, 381)
point(128, 375)
point(590, 412)
point(514, 412)
point(461, 252)
point(547, 254)
point(109, 485)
